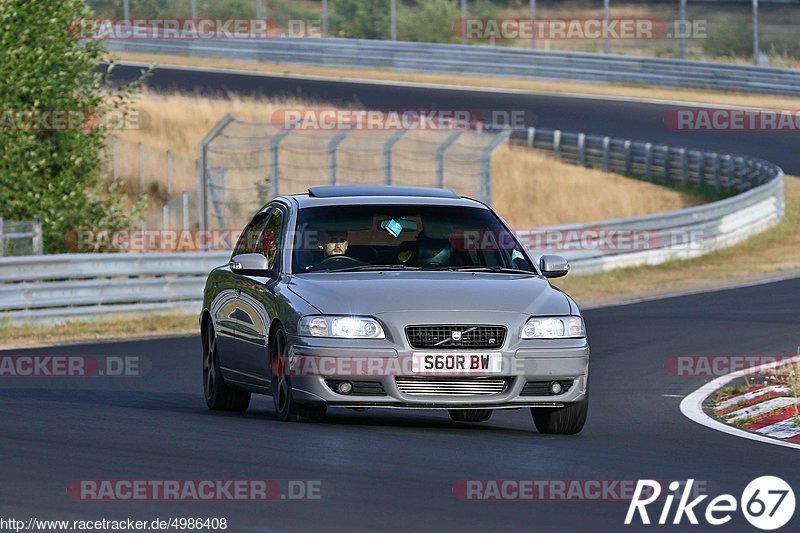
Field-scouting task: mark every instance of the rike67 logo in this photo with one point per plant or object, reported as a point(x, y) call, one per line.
point(767, 503)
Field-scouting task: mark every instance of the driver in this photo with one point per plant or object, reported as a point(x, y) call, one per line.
point(333, 243)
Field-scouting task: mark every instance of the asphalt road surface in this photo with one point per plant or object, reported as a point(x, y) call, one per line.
point(628, 120)
point(395, 470)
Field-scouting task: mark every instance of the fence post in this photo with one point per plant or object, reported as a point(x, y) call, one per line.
point(453, 137)
point(606, 154)
point(582, 149)
point(648, 161)
point(531, 135)
point(333, 146)
point(141, 167)
point(202, 164)
point(169, 172)
point(165, 217)
point(2, 239)
point(37, 242)
point(557, 144)
point(388, 146)
point(274, 166)
point(486, 165)
point(115, 157)
point(627, 156)
point(185, 205)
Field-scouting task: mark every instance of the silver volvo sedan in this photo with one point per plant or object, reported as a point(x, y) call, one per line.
point(392, 297)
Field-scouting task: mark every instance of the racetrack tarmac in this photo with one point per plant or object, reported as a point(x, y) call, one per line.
point(396, 470)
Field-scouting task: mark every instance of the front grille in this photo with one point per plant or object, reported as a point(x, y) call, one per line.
point(466, 336)
point(542, 388)
point(451, 387)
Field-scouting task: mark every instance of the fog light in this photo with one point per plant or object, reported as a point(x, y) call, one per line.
point(556, 388)
point(345, 387)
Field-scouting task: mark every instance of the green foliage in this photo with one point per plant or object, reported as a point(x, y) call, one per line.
point(729, 38)
point(437, 21)
point(55, 173)
point(361, 19)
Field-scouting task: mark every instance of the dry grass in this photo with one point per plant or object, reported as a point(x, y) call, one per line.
point(131, 327)
point(775, 253)
point(559, 87)
point(532, 190)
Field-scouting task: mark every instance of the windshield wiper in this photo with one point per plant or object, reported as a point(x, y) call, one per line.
point(501, 270)
point(375, 267)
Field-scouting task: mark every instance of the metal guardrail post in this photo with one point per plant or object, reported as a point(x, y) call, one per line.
point(557, 144)
point(453, 137)
point(582, 149)
point(388, 146)
point(627, 155)
point(165, 217)
point(333, 146)
point(185, 202)
point(531, 136)
point(648, 161)
point(606, 154)
point(274, 162)
point(37, 243)
point(2, 239)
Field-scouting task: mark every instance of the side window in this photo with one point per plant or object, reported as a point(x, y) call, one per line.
point(270, 241)
point(250, 237)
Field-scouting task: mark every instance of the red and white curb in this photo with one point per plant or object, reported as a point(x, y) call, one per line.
point(777, 429)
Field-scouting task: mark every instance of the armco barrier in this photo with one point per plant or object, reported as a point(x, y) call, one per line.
point(482, 60)
point(52, 289)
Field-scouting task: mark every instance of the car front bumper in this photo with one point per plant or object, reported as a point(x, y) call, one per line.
point(315, 368)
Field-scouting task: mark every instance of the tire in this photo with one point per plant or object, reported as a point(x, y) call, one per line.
point(470, 415)
point(286, 408)
point(567, 420)
point(219, 395)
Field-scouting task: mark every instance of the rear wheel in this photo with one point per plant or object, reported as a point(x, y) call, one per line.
point(285, 407)
point(219, 396)
point(470, 415)
point(567, 420)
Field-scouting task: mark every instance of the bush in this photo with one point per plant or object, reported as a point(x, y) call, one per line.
point(729, 38)
point(55, 173)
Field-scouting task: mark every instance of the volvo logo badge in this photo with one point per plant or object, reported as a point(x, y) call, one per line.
point(455, 335)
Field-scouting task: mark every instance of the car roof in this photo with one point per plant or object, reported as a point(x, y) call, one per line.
point(342, 195)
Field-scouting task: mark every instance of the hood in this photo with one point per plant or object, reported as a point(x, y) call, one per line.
point(373, 293)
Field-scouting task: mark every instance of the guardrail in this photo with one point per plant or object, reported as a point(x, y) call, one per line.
point(51, 289)
point(661, 237)
point(483, 60)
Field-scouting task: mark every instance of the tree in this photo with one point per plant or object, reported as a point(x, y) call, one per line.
point(51, 170)
point(361, 19)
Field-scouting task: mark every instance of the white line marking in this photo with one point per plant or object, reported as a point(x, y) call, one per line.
point(751, 396)
point(759, 409)
point(692, 407)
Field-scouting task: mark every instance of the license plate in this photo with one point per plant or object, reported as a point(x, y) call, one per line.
point(457, 363)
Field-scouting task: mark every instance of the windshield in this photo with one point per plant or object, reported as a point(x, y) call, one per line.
point(415, 237)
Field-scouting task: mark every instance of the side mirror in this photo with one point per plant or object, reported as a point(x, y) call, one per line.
point(553, 266)
point(250, 265)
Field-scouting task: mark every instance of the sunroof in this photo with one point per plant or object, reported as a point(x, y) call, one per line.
point(336, 191)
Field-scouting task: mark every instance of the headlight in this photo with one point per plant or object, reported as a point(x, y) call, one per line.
point(557, 327)
point(343, 327)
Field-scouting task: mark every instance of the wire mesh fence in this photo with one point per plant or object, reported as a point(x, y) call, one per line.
point(245, 164)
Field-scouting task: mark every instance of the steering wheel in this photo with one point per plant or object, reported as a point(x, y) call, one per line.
point(338, 260)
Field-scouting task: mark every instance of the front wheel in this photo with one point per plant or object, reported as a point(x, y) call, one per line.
point(470, 415)
point(567, 420)
point(219, 396)
point(285, 407)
